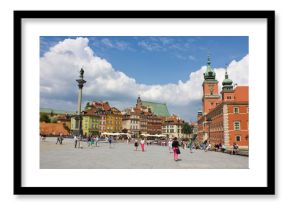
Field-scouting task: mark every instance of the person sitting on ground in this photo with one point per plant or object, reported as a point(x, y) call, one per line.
point(219, 147)
point(208, 147)
point(223, 148)
point(235, 148)
point(215, 147)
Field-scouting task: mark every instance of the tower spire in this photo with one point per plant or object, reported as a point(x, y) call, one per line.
point(208, 59)
point(227, 83)
point(226, 74)
point(209, 73)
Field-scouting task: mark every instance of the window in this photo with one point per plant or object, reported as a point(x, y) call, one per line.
point(236, 125)
point(236, 109)
point(238, 138)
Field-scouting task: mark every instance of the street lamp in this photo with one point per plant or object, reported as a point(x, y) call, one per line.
point(209, 121)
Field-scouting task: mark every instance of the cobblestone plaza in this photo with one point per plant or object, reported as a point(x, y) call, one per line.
point(122, 156)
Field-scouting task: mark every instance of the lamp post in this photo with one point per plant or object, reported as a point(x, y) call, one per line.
point(209, 121)
point(78, 118)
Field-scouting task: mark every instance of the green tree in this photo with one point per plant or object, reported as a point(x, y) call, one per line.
point(44, 117)
point(53, 120)
point(186, 129)
point(87, 106)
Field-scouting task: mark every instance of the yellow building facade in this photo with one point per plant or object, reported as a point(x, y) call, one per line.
point(113, 120)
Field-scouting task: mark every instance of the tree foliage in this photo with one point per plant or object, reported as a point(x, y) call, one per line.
point(186, 129)
point(44, 117)
point(53, 120)
point(87, 105)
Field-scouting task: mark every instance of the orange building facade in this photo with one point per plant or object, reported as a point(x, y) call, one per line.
point(224, 119)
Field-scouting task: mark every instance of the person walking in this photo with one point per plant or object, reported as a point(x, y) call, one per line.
point(175, 147)
point(190, 144)
point(79, 139)
point(58, 139)
point(75, 141)
point(97, 140)
point(170, 145)
point(136, 144)
point(61, 138)
point(92, 141)
point(142, 143)
point(110, 141)
point(89, 140)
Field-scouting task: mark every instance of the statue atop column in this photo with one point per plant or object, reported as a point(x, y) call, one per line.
point(78, 117)
point(82, 73)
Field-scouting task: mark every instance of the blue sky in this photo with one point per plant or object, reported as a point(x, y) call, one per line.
point(160, 60)
point(167, 69)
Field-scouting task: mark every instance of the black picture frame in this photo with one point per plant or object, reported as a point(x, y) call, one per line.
point(268, 190)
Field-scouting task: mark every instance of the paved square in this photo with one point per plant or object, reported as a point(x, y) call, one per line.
point(122, 156)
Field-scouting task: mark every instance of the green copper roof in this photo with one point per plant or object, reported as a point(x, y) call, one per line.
point(49, 110)
point(227, 81)
point(159, 109)
point(209, 73)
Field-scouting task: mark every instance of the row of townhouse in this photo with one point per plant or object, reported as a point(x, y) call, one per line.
point(99, 117)
point(145, 118)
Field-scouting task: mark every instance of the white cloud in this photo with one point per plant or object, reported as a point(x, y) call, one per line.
point(151, 46)
point(107, 42)
point(59, 68)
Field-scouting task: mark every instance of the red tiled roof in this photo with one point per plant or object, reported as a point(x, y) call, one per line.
point(52, 129)
point(91, 111)
point(242, 93)
point(103, 105)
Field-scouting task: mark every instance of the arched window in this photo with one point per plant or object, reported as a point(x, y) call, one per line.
point(238, 138)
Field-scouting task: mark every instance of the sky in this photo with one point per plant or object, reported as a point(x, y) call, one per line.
point(166, 69)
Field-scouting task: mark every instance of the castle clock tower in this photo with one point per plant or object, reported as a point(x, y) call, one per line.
point(211, 96)
point(227, 89)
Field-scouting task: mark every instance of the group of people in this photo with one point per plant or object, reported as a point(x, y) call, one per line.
point(173, 145)
point(220, 147)
point(206, 146)
point(142, 144)
point(91, 141)
point(59, 139)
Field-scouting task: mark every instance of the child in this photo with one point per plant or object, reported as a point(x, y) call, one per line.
point(136, 145)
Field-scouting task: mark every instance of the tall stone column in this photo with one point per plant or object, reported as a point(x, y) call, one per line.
point(78, 118)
